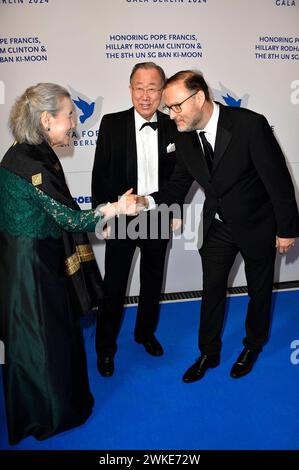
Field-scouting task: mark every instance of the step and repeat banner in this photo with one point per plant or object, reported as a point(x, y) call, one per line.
point(248, 51)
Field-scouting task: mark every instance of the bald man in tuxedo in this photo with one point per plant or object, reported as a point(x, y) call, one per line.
point(250, 207)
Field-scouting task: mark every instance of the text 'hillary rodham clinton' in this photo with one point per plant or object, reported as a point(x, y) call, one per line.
point(151, 459)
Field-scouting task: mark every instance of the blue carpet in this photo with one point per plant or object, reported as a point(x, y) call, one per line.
point(145, 405)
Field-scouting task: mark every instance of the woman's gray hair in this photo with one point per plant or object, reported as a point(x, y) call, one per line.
point(25, 116)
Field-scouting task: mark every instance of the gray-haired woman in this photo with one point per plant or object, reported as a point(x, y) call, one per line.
point(48, 274)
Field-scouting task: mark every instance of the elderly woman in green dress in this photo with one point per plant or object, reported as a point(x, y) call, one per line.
point(48, 274)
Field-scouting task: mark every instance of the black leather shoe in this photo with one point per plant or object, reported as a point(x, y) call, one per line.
point(244, 363)
point(199, 368)
point(152, 345)
point(105, 365)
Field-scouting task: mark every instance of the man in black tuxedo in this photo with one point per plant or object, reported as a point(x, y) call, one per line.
point(133, 150)
point(250, 207)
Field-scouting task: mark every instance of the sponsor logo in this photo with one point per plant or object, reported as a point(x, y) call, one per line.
point(86, 108)
point(229, 98)
point(89, 112)
point(83, 199)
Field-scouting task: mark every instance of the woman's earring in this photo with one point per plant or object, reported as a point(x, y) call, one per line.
point(48, 129)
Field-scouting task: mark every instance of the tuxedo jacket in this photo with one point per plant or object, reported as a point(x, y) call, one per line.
point(249, 182)
point(115, 164)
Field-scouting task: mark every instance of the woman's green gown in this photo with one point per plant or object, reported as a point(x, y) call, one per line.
point(45, 376)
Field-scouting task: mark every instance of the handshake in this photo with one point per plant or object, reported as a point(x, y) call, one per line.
point(128, 203)
point(131, 204)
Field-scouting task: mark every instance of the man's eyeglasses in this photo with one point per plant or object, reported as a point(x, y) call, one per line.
point(138, 91)
point(177, 108)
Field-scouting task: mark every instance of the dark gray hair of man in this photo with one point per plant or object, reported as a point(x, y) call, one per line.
point(146, 66)
point(25, 116)
point(193, 81)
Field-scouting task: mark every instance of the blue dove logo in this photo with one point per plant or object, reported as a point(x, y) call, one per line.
point(230, 101)
point(86, 108)
point(228, 97)
point(90, 109)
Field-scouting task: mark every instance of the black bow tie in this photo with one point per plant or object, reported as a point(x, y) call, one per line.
point(153, 125)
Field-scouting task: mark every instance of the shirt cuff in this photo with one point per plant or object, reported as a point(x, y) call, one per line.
point(151, 203)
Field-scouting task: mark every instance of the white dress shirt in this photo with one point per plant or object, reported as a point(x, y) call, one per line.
point(210, 132)
point(211, 127)
point(147, 156)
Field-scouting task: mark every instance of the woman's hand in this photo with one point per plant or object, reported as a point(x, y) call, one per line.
point(127, 204)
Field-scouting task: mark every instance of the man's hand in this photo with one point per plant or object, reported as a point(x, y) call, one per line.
point(283, 244)
point(106, 232)
point(142, 202)
point(131, 204)
point(176, 224)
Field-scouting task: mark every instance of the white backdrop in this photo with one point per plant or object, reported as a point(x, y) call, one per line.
point(247, 50)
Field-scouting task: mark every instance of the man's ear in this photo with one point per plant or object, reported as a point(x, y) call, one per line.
point(200, 97)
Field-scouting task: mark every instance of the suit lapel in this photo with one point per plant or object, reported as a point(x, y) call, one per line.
point(161, 133)
point(223, 136)
point(161, 141)
point(131, 151)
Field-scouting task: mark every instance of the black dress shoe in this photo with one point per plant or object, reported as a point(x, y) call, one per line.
point(105, 365)
point(199, 368)
point(152, 345)
point(244, 363)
